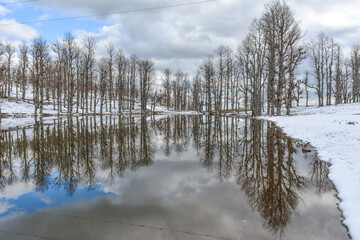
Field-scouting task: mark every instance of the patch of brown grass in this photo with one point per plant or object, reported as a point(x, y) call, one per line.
point(4, 115)
point(19, 115)
point(47, 115)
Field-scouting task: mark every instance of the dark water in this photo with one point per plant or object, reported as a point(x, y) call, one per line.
point(182, 177)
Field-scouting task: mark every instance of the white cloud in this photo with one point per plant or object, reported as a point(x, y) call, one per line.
point(17, 189)
point(48, 200)
point(339, 19)
point(4, 11)
point(12, 30)
point(44, 17)
point(175, 37)
point(4, 207)
point(182, 36)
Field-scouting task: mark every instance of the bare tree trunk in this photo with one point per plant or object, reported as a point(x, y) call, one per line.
point(110, 51)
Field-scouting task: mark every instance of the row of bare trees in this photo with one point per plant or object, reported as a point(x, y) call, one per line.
point(68, 74)
point(261, 72)
point(336, 75)
point(262, 75)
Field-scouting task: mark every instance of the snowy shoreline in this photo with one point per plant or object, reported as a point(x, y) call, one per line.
point(335, 133)
point(17, 114)
point(12, 121)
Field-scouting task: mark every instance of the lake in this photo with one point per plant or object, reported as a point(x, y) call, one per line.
point(177, 177)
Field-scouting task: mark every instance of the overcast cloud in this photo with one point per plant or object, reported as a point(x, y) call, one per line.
point(180, 37)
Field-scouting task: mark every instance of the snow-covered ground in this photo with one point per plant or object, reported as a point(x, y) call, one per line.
point(21, 114)
point(335, 132)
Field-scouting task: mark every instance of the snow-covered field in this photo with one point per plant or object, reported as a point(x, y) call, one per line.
point(335, 132)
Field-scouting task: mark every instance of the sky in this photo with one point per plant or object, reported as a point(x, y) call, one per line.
point(177, 37)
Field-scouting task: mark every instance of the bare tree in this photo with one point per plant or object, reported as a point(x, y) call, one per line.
point(322, 58)
point(283, 37)
point(338, 73)
point(103, 71)
point(70, 53)
point(121, 65)
point(9, 51)
point(208, 72)
point(355, 69)
point(59, 65)
point(166, 83)
point(243, 72)
point(345, 81)
point(111, 52)
point(89, 62)
point(298, 92)
point(251, 56)
point(230, 88)
point(132, 74)
point(220, 66)
point(146, 75)
point(24, 65)
point(329, 61)
point(295, 57)
point(306, 84)
point(40, 54)
point(196, 93)
point(2, 70)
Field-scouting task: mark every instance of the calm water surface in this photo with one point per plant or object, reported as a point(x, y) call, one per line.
point(181, 177)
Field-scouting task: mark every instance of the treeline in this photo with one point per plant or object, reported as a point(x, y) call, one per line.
point(67, 74)
point(260, 76)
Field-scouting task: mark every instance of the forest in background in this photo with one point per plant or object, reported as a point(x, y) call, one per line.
point(261, 76)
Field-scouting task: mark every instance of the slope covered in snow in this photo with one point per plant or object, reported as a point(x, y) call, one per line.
point(335, 132)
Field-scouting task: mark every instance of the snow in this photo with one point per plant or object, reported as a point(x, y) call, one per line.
point(21, 114)
point(335, 132)
point(16, 107)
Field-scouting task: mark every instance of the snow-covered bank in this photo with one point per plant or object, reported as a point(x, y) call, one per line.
point(335, 133)
point(21, 114)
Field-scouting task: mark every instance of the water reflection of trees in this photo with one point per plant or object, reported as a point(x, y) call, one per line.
point(268, 176)
point(261, 158)
point(70, 152)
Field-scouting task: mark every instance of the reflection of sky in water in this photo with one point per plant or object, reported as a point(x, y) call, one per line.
point(179, 196)
point(190, 200)
point(53, 197)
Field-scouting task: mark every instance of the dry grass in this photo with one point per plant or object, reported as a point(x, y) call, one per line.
point(20, 115)
point(47, 115)
point(4, 115)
